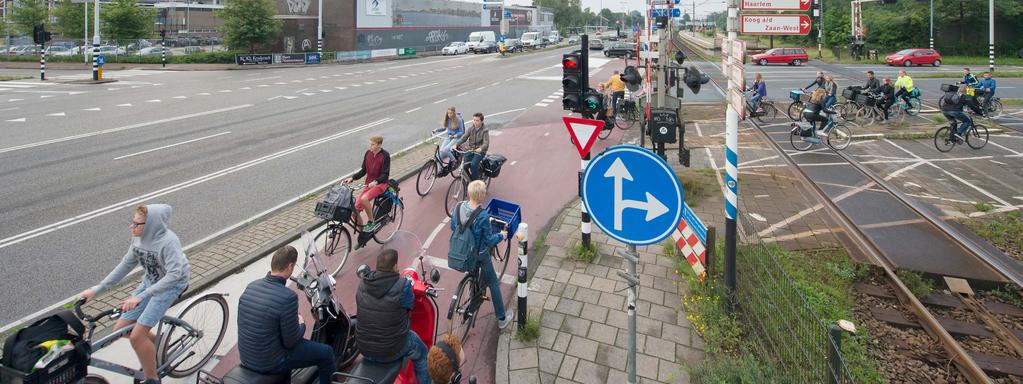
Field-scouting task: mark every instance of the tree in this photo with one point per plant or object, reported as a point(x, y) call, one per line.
point(249, 24)
point(70, 18)
point(124, 19)
point(26, 14)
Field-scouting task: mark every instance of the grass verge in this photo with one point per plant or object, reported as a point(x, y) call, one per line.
point(1012, 101)
point(1005, 231)
point(959, 75)
point(916, 282)
point(582, 253)
point(9, 78)
point(823, 277)
point(531, 330)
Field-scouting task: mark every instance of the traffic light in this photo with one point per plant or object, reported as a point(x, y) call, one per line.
point(680, 57)
point(37, 34)
point(631, 77)
point(694, 79)
point(592, 102)
point(572, 81)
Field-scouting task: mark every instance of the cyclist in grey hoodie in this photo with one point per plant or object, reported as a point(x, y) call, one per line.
point(158, 252)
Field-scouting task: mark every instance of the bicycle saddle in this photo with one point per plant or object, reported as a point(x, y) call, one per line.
point(241, 375)
point(377, 372)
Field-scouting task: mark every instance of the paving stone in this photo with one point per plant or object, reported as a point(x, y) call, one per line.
point(648, 326)
point(617, 376)
point(588, 372)
point(526, 376)
point(646, 366)
point(545, 273)
point(594, 313)
point(622, 341)
point(547, 337)
point(675, 334)
point(550, 361)
point(569, 291)
point(618, 319)
point(661, 348)
point(669, 372)
point(655, 270)
point(613, 301)
point(552, 320)
point(696, 340)
point(547, 378)
point(551, 303)
point(587, 295)
point(690, 355)
point(583, 348)
point(672, 300)
point(662, 313)
point(654, 296)
point(561, 380)
point(664, 284)
point(563, 276)
point(603, 333)
point(581, 279)
point(569, 307)
point(597, 271)
point(568, 367)
point(611, 356)
point(603, 285)
point(576, 326)
point(522, 358)
point(561, 342)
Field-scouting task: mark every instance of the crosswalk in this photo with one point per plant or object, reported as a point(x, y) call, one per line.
point(14, 85)
point(125, 74)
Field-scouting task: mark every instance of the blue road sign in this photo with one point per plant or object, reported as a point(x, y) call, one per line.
point(694, 223)
point(507, 14)
point(635, 29)
point(501, 39)
point(100, 60)
point(674, 12)
point(632, 195)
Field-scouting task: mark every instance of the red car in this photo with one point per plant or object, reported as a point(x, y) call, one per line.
point(914, 56)
point(790, 56)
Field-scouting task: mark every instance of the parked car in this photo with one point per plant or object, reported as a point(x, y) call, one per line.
point(154, 51)
point(482, 41)
point(914, 56)
point(790, 56)
point(138, 45)
point(27, 50)
point(554, 37)
point(620, 49)
point(107, 50)
point(455, 48)
point(513, 45)
point(193, 49)
point(575, 39)
point(58, 50)
point(596, 44)
point(533, 40)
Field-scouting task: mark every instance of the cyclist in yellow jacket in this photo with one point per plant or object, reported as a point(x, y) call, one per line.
point(903, 86)
point(617, 87)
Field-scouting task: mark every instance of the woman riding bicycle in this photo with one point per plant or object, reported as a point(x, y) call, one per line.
point(454, 128)
point(904, 86)
point(760, 91)
point(812, 110)
point(485, 239)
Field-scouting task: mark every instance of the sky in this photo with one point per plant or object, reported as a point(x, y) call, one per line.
point(703, 7)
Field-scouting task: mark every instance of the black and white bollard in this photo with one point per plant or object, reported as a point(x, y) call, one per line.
point(163, 55)
point(95, 62)
point(585, 219)
point(523, 288)
point(42, 62)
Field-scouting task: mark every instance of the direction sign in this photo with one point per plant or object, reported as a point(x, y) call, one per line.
point(507, 14)
point(775, 5)
point(584, 129)
point(737, 101)
point(738, 75)
point(739, 50)
point(632, 195)
point(775, 24)
point(673, 12)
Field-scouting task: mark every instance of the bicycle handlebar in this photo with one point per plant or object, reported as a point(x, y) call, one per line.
point(93, 319)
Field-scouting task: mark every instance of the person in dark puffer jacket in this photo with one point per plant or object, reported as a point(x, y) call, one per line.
point(270, 329)
point(384, 300)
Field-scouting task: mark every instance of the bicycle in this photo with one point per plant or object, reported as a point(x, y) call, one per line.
point(976, 137)
point(472, 289)
point(767, 107)
point(336, 238)
point(436, 167)
point(490, 167)
point(867, 110)
point(799, 98)
point(180, 343)
point(836, 133)
point(626, 115)
point(900, 109)
point(995, 109)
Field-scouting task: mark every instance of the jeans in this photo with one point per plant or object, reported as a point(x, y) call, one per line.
point(615, 96)
point(987, 101)
point(904, 94)
point(307, 354)
point(829, 101)
point(416, 351)
point(445, 149)
point(952, 116)
point(487, 265)
point(755, 101)
point(885, 105)
point(474, 159)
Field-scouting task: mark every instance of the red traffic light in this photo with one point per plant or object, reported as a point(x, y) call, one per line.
point(570, 63)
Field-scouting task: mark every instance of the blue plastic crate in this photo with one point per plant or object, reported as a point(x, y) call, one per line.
point(795, 94)
point(505, 211)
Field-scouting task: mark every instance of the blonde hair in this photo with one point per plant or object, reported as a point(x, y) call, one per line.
point(817, 95)
point(142, 210)
point(477, 191)
point(448, 120)
point(759, 77)
point(377, 139)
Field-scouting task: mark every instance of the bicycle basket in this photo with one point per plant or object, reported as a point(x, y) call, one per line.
point(491, 165)
point(850, 94)
point(505, 211)
point(67, 368)
point(915, 92)
point(949, 87)
point(337, 205)
point(796, 94)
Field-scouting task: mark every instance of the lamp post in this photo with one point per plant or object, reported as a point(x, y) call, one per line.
point(319, 26)
point(163, 44)
point(95, 41)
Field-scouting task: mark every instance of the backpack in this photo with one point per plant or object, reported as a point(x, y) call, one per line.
point(952, 98)
point(21, 351)
point(464, 244)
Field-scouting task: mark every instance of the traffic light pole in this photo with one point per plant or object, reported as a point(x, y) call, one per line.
point(584, 59)
point(95, 41)
point(731, 168)
point(42, 61)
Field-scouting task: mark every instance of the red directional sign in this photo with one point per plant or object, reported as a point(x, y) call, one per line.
point(775, 24)
point(775, 5)
point(584, 129)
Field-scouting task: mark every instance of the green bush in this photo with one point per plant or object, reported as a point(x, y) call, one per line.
point(584, 254)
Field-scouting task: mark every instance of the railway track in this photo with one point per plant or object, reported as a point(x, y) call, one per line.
point(895, 232)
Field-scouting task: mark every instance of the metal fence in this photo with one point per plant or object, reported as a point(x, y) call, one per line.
point(783, 330)
point(120, 51)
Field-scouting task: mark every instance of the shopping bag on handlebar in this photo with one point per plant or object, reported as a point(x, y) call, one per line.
point(464, 244)
point(337, 205)
point(26, 347)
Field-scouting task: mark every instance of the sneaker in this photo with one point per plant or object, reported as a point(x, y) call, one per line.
point(814, 140)
point(443, 172)
point(369, 227)
point(507, 320)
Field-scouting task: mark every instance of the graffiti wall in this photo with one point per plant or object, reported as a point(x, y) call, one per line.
point(298, 32)
point(424, 38)
point(441, 13)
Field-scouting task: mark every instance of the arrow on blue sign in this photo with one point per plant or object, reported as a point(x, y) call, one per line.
point(674, 12)
point(632, 195)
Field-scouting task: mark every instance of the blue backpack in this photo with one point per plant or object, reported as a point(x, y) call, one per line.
point(464, 244)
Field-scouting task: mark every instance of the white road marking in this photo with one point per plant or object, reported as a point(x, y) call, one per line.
point(119, 129)
point(504, 112)
point(57, 114)
point(224, 91)
point(180, 97)
point(547, 101)
point(356, 85)
point(13, 100)
point(91, 109)
point(263, 78)
point(496, 83)
point(420, 87)
point(480, 88)
point(245, 88)
point(757, 217)
point(954, 176)
point(368, 82)
point(436, 230)
point(262, 86)
point(413, 109)
point(341, 88)
point(443, 263)
point(326, 90)
point(282, 97)
point(461, 94)
point(998, 162)
point(903, 169)
point(545, 134)
point(153, 101)
point(309, 94)
point(171, 145)
point(699, 132)
point(124, 105)
point(177, 187)
point(541, 104)
point(440, 101)
point(203, 94)
point(797, 216)
point(513, 162)
point(310, 79)
point(496, 133)
point(21, 120)
point(45, 96)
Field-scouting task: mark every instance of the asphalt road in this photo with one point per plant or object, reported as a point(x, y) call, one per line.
point(219, 146)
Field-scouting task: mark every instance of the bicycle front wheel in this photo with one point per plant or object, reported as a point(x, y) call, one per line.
point(977, 137)
point(624, 118)
point(392, 224)
point(914, 107)
point(839, 137)
point(337, 242)
point(796, 139)
point(996, 109)
point(770, 110)
point(187, 350)
point(456, 193)
point(460, 316)
point(427, 176)
point(943, 140)
point(795, 111)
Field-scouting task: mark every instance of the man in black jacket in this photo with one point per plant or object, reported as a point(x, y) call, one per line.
point(872, 83)
point(819, 81)
point(384, 300)
point(270, 329)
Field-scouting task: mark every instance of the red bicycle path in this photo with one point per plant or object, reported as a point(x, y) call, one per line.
point(540, 175)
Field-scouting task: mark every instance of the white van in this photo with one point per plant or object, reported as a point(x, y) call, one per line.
point(554, 37)
point(482, 41)
point(533, 40)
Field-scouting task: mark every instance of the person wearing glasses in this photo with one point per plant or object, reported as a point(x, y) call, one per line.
point(158, 252)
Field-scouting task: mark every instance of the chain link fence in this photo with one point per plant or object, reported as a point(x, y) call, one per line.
point(783, 329)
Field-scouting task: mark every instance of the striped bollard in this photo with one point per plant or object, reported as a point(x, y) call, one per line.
point(319, 45)
point(991, 57)
point(95, 62)
point(523, 288)
point(42, 62)
point(585, 219)
point(163, 55)
point(731, 208)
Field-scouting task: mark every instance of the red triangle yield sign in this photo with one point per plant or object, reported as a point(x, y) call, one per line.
point(583, 131)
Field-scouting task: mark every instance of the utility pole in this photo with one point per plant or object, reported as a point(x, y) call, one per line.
point(732, 163)
point(95, 41)
point(319, 26)
point(819, 12)
point(85, 37)
point(991, 35)
point(932, 24)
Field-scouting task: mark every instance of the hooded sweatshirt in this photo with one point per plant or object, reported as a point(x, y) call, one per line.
point(159, 254)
